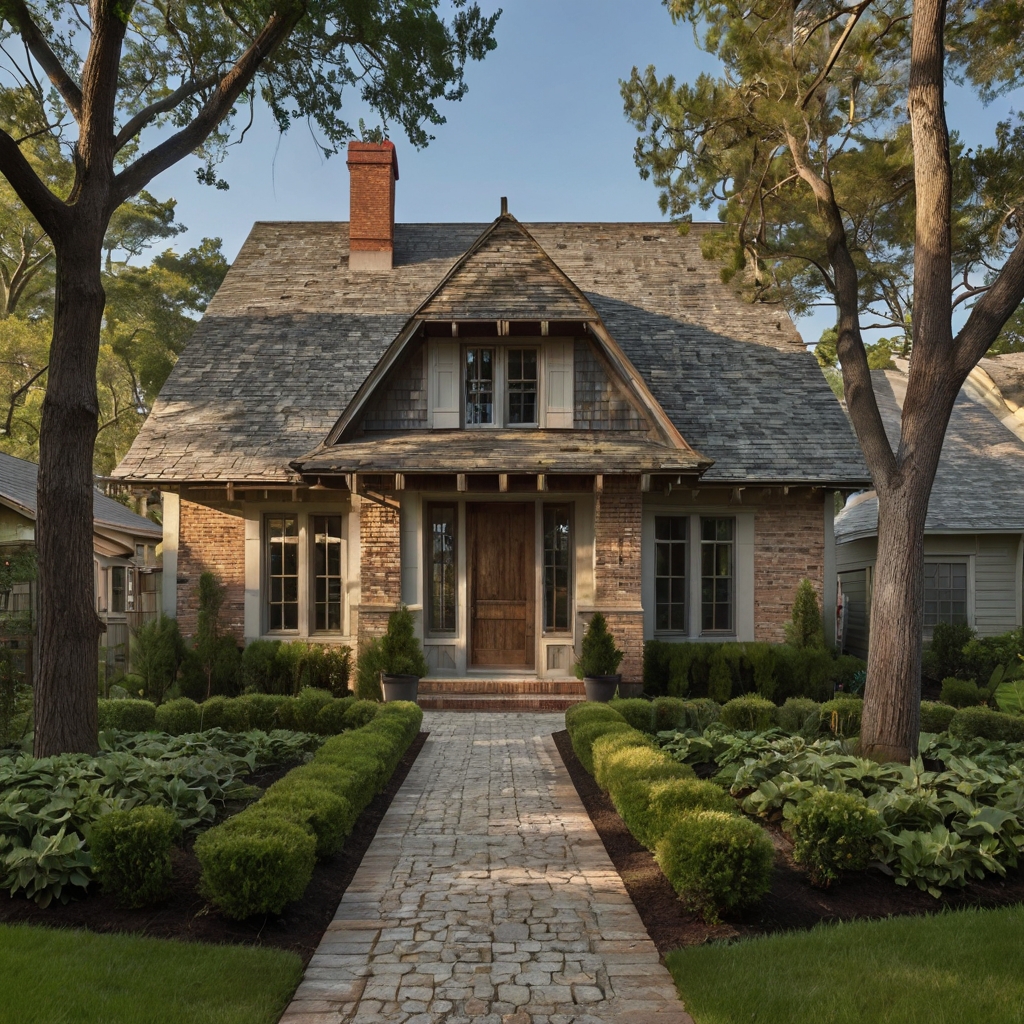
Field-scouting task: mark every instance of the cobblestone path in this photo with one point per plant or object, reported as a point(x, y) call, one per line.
point(486, 896)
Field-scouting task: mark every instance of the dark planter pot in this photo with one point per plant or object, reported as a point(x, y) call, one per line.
point(631, 690)
point(601, 688)
point(399, 687)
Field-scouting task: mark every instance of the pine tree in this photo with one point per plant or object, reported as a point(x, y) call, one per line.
point(804, 629)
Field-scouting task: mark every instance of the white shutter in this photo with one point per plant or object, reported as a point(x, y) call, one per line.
point(558, 383)
point(444, 384)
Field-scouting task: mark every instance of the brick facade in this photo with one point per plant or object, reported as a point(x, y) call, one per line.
point(789, 546)
point(211, 541)
point(373, 169)
point(380, 567)
point(617, 522)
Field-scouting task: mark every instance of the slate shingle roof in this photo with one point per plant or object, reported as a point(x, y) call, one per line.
point(18, 486)
point(292, 333)
point(979, 485)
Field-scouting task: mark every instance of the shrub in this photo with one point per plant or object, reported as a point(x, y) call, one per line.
point(700, 713)
point(587, 711)
point(668, 713)
point(131, 852)
point(945, 657)
point(598, 654)
point(984, 655)
point(716, 861)
point(624, 754)
point(307, 705)
point(832, 832)
point(261, 709)
point(259, 668)
point(969, 723)
point(327, 814)
point(935, 717)
point(799, 714)
point(230, 714)
point(255, 863)
point(178, 716)
point(960, 693)
point(396, 653)
point(330, 719)
point(804, 628)
point(751, 713)
point(326, 668)
point(15, 700)
point(669, 799)
point(841, 716)
point(211, 667)
point(719, 678)
point(127, 715)
point(157, 651)
point(762, 662)
point(360, 713)
point(636, 711)
point(583, 738)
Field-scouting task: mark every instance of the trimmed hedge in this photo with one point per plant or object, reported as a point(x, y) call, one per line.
point(968, 723)
point(262, 859)
point(127, 714)
point(750, 714)
point(936, 717)
point(961, 693)
point(635, 710)
point(799, 714)
point(841, 716)
point(669, 799)
point(832, 833)
point(131, 852)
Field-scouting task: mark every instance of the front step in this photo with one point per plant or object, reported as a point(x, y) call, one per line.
point(501, 687)
point(496, 701)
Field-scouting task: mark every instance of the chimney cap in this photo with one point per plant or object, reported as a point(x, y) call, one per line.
point(373, 153)
point(504, 205)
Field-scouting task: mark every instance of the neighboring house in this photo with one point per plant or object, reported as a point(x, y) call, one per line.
point(974, 533)
point(124, 558)
point(505, 427)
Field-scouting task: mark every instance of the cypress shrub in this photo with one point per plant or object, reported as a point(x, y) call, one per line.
point(804, 628)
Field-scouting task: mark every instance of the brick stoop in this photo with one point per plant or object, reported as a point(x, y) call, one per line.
point(469, 694)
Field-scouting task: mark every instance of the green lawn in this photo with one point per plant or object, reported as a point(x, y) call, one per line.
point(953, 968)
point(74, 977)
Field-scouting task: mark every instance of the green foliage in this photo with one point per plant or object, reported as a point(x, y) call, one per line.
point(211, 667)
point(261, 710)
point(360, 713)
point(260, 670)
point(944, 659)
point(598, 654)
point(752, 713)
point(255, 863)
point(396, 653)
point(127, 715)
point(307, 706)
point(624, 754)
point(961, 693)
point(131, 853)
point(989, 659)
point(15, 701)
point(717, 862)
point(46, 867)
point(804, 628)
point(841, 716)
point(969, 723)
point(667, 713)
point(635, 710)
point(328, 815)
point(178, 716)
point(935, 717)
point(799, 715)
point(832, 833)
point(1010, 696)
point(719, 678)
point(669, 799)
point(157, 653)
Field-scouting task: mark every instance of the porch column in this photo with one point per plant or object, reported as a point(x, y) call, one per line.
point(380, 568)
point(617, 518)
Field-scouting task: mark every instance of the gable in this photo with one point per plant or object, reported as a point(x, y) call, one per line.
point(600, 402)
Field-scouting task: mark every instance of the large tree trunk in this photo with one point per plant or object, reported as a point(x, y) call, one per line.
point(68, 631)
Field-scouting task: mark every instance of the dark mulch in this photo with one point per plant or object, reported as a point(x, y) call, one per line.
point(792, 903)
point(186, 915)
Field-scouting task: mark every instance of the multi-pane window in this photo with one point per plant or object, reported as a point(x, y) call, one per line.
point(327, 581)
point(717, 571)
point(670, 573)
point(522, 385)
point(442, 557)
point(557, 560)
point(945, 593)
point(282, 572)
point(117, 588)
point(479, 385)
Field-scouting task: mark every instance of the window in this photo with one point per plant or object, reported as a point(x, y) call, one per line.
point(442, 561)
point(282, 572)
point(117, 588)
point(945, 593)
point(670, 573)
point(479, 385)
point(557, 550)
point(327, 572)
point(717, 560)
point(522, 385)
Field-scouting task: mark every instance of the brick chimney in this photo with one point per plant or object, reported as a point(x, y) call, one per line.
point(373, 171)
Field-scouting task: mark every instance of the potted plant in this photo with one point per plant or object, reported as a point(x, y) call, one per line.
point(397, 658)
point(599, 658)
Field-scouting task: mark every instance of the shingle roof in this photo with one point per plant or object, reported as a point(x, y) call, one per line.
point(979, 485)
point(18, 486)
point(292, 333)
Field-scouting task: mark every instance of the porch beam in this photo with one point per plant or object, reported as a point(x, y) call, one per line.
point(542, 482)
point(503, 482)
point(399, 481)
point(645, 482)
point(599, 483)
point(461, 483)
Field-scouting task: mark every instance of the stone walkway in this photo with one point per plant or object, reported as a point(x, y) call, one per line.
point(486, 896)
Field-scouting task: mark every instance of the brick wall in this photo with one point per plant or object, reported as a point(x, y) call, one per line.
point(373, 170)
point(789, 545)
point(211, 541)
point(380, 567)
point(617, 520)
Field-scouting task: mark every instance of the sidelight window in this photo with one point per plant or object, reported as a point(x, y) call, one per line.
point(282, 573)
point(717, 572)
point(479, 386)
point(442, 561)
point(557, 568)
point(670, 550)
point(327, 572)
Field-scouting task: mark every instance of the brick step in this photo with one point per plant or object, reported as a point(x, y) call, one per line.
point(497, 702)
point(496, 687)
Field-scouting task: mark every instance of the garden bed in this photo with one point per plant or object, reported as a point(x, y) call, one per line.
point(186, 915)
point(792, 903)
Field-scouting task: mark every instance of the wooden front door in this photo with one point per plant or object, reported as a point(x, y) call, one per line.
point(502, 583)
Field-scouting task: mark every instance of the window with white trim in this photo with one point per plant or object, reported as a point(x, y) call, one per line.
point(670, 576)
point(945, 593)
point(282, 540)
point(717, 572)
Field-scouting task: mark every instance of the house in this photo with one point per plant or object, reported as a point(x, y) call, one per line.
point(124, 559)
point(505, 427)
point(974, 532)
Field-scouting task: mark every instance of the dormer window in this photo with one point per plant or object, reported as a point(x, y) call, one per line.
point(522, 386)
point(479, 386)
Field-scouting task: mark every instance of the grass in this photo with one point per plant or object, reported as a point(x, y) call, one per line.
point(50, 976)
point(951, 968)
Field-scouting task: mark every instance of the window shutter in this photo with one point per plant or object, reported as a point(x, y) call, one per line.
point(559, 384)
point(444, 381)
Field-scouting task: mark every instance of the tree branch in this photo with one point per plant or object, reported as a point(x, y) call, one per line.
point(139, 173)
point(35, 42)
point(154, 110)
point(47, 209)
point(836, 50)
point(9, 424)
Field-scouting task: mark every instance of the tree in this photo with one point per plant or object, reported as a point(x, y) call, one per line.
point(804, 628)
point(826, 148)
point(135, 87)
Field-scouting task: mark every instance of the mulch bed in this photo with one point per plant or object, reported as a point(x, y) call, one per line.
point(186, 915)
point(792, 904)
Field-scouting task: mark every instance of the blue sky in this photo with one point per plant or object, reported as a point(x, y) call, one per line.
point(542, 123)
